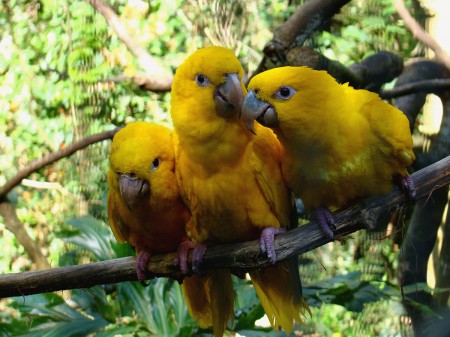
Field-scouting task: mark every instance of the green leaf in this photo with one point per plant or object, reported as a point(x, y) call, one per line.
point(94, 236)
point(246, 318)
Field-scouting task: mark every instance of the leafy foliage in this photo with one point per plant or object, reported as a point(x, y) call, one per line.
point(124, 308)
point(365, 27)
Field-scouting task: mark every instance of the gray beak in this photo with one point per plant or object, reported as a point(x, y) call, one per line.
point(255, 109)
point(229, 96)
point(131, 189)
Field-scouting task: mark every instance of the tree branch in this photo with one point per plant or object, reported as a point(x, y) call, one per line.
point(159, 79)
point(377, 69)
point(306, 20)
point(242, 256)
point(420, 34)
point(412, 104)
point(306, 56)
point(15, 226)
point(52, 157)
point(296, 30)
point(427, 87)
point(144, 81)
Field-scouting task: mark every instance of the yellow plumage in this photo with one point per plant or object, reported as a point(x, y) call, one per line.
point(339, 144)
point(231, 180)
point(153, 221)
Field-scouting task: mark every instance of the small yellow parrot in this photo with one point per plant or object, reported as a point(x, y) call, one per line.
point(231, 181)
point(339, 144)
point(144, 205)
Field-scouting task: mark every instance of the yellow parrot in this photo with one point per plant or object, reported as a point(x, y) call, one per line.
point(231, 181)
point(144, 205)
point(339, 144)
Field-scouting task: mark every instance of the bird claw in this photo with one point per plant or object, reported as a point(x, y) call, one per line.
point(198, 251)
point(325, 220)
point(142, 265)
point(197, 258)
point(407, 185)
point(266, 242)
point(182, 255)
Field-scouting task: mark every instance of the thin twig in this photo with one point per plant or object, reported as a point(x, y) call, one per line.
point(243, 256)
point(52, 157)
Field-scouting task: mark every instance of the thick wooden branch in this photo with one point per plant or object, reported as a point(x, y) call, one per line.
point(52, 157)
point(243, 256)
point(307, 19)
point(159, 79)
point(377, 69)
point(306, 56)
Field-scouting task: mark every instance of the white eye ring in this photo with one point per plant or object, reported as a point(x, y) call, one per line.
point(202, 80)
point(155, 164)
point(284, 93)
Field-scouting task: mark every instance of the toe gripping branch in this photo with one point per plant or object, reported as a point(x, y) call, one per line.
point(142, 261)
point(325, 220)
point(198, 251)
point(407, 185)
point(266, 242)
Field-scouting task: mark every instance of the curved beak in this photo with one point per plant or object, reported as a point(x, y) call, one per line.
point(229, 96)
point(131, 189)
point(255, 109)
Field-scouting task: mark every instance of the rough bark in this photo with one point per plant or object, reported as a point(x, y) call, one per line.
point(307, 19)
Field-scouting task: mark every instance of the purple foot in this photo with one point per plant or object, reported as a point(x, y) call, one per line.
point(182, 255)
point(142, 265)
point(325, 220)
point(198, 250)
point(197, 258)
point(407, 185)
point(266, 242)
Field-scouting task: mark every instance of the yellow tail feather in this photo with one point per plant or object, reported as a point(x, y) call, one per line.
point(280, 291)
point(222, 300)
point(196, 295)
point(210, 299)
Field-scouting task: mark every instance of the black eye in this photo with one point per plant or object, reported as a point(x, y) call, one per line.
point(285, 93)
point(155, 164)
point(202, 80)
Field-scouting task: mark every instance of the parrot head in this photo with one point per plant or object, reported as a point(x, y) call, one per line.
point(287, 96)
point(209, 80)
point(142, 164)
